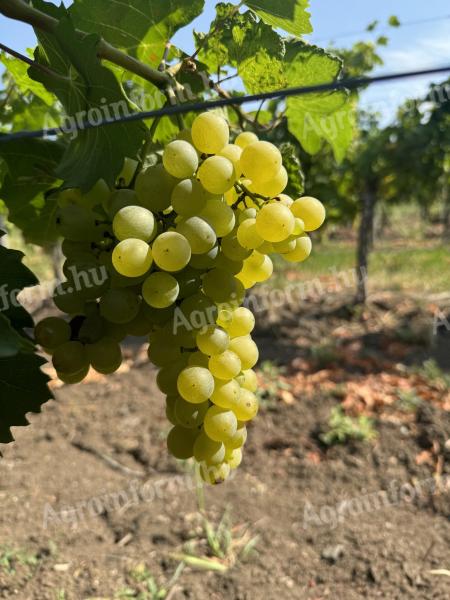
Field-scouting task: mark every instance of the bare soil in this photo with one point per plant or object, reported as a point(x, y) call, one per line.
point(89, 494)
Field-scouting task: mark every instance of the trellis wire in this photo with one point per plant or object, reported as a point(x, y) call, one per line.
point(343, 84)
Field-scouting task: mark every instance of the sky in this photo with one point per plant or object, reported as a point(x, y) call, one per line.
point(424, 43)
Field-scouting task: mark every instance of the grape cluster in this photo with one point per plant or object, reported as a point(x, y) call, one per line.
point(179, 243)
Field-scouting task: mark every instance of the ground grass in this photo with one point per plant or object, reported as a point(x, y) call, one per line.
point(392, 267)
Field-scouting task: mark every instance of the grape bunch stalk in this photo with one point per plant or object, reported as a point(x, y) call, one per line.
point(179, 243)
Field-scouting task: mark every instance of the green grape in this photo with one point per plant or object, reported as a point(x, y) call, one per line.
point(247, 406)
point(247, 213)
point(284, 199)
point(246, 138)
point(128, 171)
point(266, 248)
point(273, 187)
point(302, 250)
point(141, 325)
point(247, 351)
point(163, 354)
point(189, 282)
point(199, 234)
point(170, 410)
point(198, 359)
point(52, 332)
point(171, 251)
point(224, 317)
point(98, 195)
point(311, 211)
point(232, 266)
point(70, 358)
point(284, 247)
point(160, 290)
point(248, 235)
point(67, 196)
point(186, 136)
point(233, 249)
point(208, 451)
point(154, 188)
point(233, 458)
point(68, 300)
point(180, 159)
point(261, 162)
point(233, 153)
point(132, 258)
point(134, 222)
point(275, 222)
point(299, 227)
point(190, 415)
point(242, 322)
point(221, 286)
point(74, 378)
point(246, 281)
point(195, 384)
point(204, 262)
point(210, 133)
point(77, 223)
point(158, 316)
point(219, 215)
point(116, 331)
point(167, 377)
point(225, 365)
point(220, 424)
point(226, 393)
point(248, 380)
point(259, 273)
point(214, 474)
point(189, 198)
point(92, 329)
point(197, 311)
point(121, 199)
point(239, 438)
point(120, 305)
point(105, 356)
point(212, 340)
point(217, 175)
point(180, 442)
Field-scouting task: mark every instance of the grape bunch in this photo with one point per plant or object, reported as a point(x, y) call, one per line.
point(170, 254)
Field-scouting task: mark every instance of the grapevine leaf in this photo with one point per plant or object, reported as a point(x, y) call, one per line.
point(316, 118)
point(23, 389)
point(249, 45)
point(11, 342)
point(18, 71)
point(290, 15)
point(141, 27)
point(86, 89)
point(14, 277)
point(291, 161)
point(30, 171)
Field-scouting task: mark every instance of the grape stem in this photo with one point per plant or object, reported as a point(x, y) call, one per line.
point(240, 187)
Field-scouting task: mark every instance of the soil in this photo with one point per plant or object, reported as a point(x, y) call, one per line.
point(89, 495)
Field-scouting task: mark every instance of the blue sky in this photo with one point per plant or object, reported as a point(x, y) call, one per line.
point(416, 46)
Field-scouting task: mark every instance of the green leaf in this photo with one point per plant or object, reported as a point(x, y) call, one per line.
point(316, 118)
point(23, 389)
point(290, 15)
point(30, 172)
point(19, 72)
point(141, 27)
point(11, 342)
point(291, 161)
point(250, 46)
point(87, 90)
point(394, 21)
point(16, 277)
